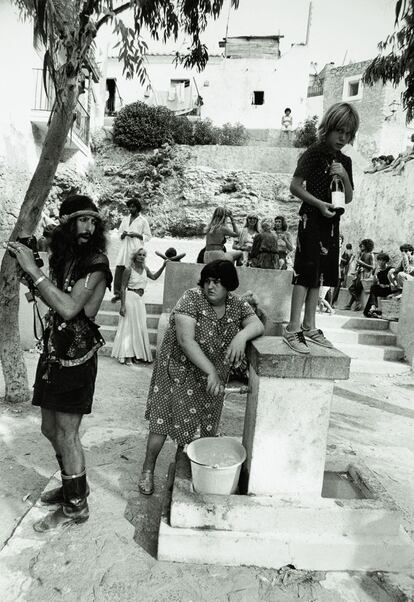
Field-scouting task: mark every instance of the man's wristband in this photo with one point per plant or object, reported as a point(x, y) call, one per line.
point(39, 280)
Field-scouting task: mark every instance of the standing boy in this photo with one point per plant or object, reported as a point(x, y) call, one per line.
point(134, 232)
point(317, 249)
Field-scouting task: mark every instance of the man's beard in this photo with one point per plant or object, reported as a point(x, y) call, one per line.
point(84, 246)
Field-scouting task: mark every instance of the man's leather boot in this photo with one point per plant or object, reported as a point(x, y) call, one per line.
point(54, 496)
point(74, 509)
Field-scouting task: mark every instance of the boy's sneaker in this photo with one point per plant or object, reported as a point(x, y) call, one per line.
point(295, 340)
point(316, 336)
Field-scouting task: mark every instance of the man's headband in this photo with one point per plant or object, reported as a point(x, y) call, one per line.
point(83, 212)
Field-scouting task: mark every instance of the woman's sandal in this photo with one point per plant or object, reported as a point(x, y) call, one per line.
point(146, 482)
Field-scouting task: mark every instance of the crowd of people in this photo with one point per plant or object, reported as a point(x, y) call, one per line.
point(210, 325)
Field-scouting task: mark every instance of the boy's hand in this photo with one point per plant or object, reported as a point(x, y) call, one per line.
point(326, 210)
point(337, 169)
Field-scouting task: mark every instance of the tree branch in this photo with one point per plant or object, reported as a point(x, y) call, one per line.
point(116, 11)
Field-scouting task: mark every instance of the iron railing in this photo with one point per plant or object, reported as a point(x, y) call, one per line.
point(45, 102)
point(315, 90)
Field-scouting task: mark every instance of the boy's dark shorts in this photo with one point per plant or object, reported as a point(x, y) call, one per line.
point(312, 266)
point(67, 390)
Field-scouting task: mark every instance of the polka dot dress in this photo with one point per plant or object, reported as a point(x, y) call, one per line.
point(178, 403)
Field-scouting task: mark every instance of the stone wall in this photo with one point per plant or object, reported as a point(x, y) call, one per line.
point(382, 209)
point(263, 159)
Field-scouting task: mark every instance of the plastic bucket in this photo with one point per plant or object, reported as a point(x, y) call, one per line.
point(216, 464)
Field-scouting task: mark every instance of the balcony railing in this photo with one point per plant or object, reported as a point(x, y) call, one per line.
point(45, 102)
point(315, 90)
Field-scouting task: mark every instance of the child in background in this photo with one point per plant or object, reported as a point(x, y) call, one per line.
point(365, 264)
point(170, 254)
point(264, 253)
point(317, 250)
point(323, 304)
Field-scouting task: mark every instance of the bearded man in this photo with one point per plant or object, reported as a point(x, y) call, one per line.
point(66, 372)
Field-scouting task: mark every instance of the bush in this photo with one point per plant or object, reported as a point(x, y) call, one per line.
point(234, 135)
point(182, 130)
point(204, 132)
point(307, 133)
point(139, 126)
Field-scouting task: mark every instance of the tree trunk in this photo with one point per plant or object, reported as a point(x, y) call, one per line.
point(11, 353)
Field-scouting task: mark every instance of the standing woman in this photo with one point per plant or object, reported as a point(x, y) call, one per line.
point(131, 339)
point(284, 240)
point(207, 334)
point(216, 233)
point(245, 242)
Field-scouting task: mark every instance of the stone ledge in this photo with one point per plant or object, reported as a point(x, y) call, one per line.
point(271, 357)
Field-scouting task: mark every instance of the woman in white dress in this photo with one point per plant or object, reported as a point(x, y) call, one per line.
point(131, 340)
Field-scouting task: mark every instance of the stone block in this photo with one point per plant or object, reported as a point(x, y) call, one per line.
point(406, 322)
point(285, 433)
point(270, 356)
point(273, 287)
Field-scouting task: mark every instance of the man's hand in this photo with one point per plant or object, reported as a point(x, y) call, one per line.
point(235, 351)
point(214, 384)
point(24, 256)
point(326, 210)
point(124, 234)
point(122, 311)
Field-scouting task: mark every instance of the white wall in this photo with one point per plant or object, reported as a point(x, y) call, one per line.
point(231, 82)
point(314, 106)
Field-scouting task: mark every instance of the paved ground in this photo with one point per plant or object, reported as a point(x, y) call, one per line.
point(113, 556)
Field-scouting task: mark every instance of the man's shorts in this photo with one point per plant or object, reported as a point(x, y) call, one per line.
point(67, 390)
point(317, 251)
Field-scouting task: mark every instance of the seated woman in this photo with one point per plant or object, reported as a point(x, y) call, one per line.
point(284, 241)
point(207, 334)
point(247, 235)
point(264, 250)
point(216, 233)
point(131, 339)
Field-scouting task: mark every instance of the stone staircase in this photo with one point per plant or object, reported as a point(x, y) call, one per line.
point(369, 342)
point(108, 317)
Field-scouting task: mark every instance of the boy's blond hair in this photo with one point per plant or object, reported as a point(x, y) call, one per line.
point(340, 116)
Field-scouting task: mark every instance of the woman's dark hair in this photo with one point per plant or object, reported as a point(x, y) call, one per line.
point(284, 222)
point(170, 252)
point(406, 247)
point(368, 244)
point(348, 245)
point(389, 159)
point(64, 247)
point(383, 257)
point(288, 109)
point(223, 270)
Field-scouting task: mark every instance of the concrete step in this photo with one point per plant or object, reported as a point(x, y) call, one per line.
point(348, 320)
point(106, 350)
point(371, 352)
point(111, 318)
point(359, 366)
point(152, 308)
point(108, 333)
point(364, 337)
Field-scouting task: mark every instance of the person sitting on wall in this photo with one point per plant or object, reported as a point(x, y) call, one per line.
point(207, 334)
point(216, 233)
point(245, 241)
point(405, 269)
point(264, 252)
point(381, 286)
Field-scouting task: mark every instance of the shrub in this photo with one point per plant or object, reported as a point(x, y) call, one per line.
point(234, 135)
point(182, 130)
point(139, 126)
point(306, 134)
point(205, 132)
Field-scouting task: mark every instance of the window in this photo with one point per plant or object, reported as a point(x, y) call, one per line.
point(352, 88)
point(258, 97)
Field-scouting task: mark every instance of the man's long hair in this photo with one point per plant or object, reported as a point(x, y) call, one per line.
point(64, 248)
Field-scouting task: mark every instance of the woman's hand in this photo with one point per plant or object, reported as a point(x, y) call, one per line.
point(124, 234)
point(122, 311)
point(214, 384)
point(235, 351)
point(24, 256)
